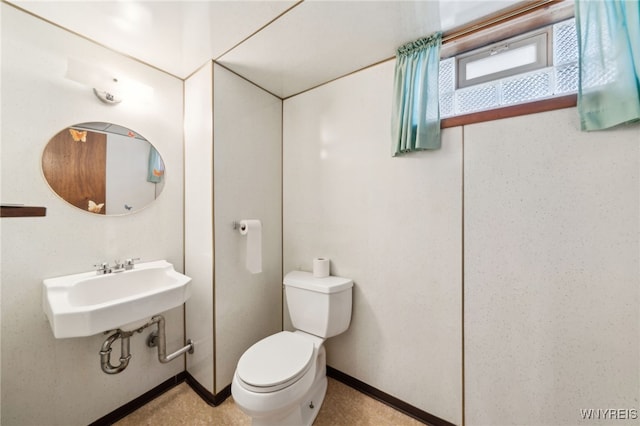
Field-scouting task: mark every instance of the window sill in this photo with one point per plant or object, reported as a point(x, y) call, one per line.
point(561, 102)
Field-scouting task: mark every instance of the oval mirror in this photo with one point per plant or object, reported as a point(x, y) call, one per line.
point(103, 168)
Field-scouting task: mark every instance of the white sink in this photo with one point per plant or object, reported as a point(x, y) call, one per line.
point(86, 304)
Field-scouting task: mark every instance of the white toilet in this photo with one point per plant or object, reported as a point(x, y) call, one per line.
point(282, 380)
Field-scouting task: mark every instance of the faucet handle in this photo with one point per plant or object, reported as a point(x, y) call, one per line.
point(103, 268)
point(128, 263)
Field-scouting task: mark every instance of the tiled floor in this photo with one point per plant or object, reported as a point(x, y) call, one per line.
point(343, 405)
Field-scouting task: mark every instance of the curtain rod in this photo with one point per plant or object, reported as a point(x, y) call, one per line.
point(504, 16)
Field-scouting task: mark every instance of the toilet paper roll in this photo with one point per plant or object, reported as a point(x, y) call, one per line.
point(321, 267)
point(252, 228)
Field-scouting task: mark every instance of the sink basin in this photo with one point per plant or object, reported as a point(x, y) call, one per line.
point(87, 303)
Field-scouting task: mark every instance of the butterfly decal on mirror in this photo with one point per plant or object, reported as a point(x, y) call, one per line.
point(78, 135)
point(95, 208)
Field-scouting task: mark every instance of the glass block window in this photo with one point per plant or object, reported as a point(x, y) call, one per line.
point(555, 72)
point(528, 87)
point(477, 98)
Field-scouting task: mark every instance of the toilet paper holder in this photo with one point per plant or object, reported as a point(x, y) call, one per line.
point(237, 225)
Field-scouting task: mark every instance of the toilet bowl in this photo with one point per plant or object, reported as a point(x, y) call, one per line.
point(281, 380)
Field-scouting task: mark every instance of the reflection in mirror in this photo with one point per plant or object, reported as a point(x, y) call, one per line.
point(103, 168)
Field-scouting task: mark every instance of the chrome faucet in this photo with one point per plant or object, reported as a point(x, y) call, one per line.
point(127, 265)
point(117, 266)
point(103, 268)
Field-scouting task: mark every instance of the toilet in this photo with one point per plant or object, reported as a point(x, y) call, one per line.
point(282, 380)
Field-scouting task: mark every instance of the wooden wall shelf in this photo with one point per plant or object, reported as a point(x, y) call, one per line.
point(22, 211)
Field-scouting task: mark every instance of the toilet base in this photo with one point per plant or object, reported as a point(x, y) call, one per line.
point(305, 412)
point(290, 406)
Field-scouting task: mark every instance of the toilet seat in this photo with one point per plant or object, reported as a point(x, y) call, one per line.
point(275, 362)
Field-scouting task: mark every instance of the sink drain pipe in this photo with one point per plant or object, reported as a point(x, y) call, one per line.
point(155, 339)
point(105, 352)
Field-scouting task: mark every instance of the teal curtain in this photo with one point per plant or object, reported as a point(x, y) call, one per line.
point(155, 170)
point(415, 121)
point(609, 51)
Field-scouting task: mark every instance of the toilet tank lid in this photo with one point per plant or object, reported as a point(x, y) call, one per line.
point(306, 280)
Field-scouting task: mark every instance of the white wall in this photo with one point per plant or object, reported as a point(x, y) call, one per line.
point(551, 243)
point(234, 168)
point(198, 225)
point(46, 380)
point(552, 270)
point(247, 166)
point(393, 225)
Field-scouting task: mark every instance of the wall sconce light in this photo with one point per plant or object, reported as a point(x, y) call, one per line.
point(106, 97)
point(108, 86)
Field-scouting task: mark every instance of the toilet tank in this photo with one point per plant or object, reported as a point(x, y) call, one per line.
point(319, 306)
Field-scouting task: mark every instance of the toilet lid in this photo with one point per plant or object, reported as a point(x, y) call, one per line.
point(275, 361)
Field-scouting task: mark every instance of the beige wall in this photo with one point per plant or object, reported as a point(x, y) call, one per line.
point(552, 270)
point(198, 226)
point(233, 147)
point(390, 224)
point(247, 169)
point(551, 243)
point(58, 381)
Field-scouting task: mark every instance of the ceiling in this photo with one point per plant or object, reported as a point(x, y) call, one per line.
point(284, 46)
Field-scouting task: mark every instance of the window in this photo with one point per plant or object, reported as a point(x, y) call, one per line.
point(503, 59)
point(530, 67)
